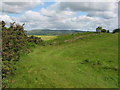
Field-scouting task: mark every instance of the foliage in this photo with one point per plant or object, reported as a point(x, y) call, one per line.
point(116, 30)
point(103, 30)
point(108, 31)
point(14, 42)
point(98, 29)
point(33, 39)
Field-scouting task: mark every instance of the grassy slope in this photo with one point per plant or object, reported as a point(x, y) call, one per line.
point(86, 63)
point(44, 37)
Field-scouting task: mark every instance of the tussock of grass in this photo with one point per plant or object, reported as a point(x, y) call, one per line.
point(90, 62)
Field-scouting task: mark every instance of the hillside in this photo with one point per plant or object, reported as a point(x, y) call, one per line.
point(83, 60)
point(51, 32)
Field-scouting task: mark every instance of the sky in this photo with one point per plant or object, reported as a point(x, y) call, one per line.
point(61, 14)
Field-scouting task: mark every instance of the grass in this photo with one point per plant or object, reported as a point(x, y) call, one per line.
point(90, 61)
point(45, 37)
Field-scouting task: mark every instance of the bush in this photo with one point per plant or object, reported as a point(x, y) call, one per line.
point(14, 42)
point(116, 30)
point(103, 30)
point(108, 31)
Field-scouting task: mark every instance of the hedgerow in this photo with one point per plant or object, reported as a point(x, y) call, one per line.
point(14, 42)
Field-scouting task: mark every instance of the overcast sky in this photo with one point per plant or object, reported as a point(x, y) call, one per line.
point(61, 15)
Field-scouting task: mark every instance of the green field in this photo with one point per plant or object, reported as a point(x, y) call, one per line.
point(70, 61)
point(44, 37)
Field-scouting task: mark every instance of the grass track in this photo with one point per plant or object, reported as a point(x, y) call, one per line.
point(86, 63)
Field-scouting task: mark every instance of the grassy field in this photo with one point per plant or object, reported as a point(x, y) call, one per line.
point(70, 61)
point(45, 37)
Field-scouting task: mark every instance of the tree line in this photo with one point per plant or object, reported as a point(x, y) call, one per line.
point(100, 29)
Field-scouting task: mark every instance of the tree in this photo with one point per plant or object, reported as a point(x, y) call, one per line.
point(116, 30)
point(98, 29)
point(108, 31)
point(103, 30)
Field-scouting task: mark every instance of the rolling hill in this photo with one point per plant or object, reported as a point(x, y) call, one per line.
point(51, 32)
point(82, 60)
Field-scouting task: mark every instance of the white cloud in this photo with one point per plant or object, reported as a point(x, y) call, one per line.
point(64, 16)
point(87, 6)
point(19, 7)
point(106, 15)
point(99, 9)
point(6, 18)
point(47, 19)
point(66, 20)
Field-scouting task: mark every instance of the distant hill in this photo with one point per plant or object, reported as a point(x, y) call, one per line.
point(51, 32)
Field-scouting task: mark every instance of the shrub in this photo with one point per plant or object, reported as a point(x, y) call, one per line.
point(116, 30)
point(103, 30)
point(108, 31)
point(14, 42)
